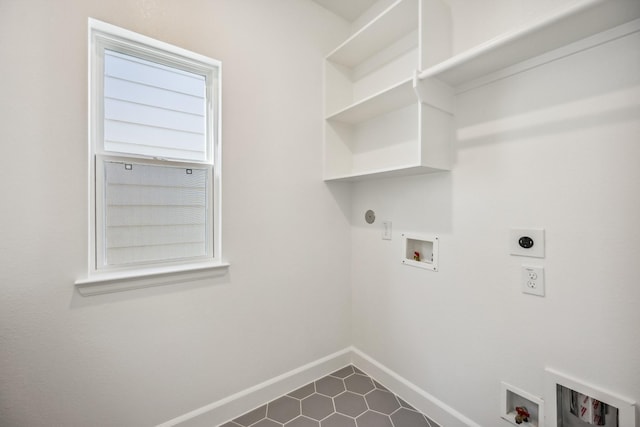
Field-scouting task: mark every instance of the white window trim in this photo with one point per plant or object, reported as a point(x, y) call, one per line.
point(101, 280)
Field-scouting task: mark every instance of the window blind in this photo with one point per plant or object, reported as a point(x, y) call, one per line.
point(153, 110)
point(154, 213)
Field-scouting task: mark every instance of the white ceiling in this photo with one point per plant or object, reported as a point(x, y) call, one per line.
point(348, 9)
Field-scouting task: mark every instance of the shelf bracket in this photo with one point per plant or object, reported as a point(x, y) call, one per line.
point(433, 92)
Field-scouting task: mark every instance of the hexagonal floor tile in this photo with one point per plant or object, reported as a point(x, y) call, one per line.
point(317, 406)
point(266, 423)
point(329, 386)
point(303, 392)
point(359, 384)
point(302, 421)
point(346, 398)
point(283, 409)
point(405, 404)
point(379, 386)
point(382, 401)
point(349, 403)
point(408, 418)
point(252, 416)
point(344, 372)
point(338, 420)
point(373, 419)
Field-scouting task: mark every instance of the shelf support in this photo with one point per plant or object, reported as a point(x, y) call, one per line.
point(432, 92)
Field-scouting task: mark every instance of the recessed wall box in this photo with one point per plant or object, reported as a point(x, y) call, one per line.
point(573, 402)
point(527, 242)
point(514, 402)
point(420, 251)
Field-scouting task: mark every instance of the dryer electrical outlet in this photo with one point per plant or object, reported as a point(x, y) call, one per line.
point(527, 242)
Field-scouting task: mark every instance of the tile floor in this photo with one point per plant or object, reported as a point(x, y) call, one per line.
point(345, 398)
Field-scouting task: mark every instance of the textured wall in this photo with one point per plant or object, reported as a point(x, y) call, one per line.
point(142, 357)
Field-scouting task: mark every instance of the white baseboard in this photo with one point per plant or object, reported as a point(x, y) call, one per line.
point(231, 407)
point(426, 403)
point(226, 409)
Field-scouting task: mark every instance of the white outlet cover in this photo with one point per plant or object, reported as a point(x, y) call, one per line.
point(532, 280)
point(386, 230)
point(536, 234)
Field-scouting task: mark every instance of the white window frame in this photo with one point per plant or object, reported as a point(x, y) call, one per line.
point(101, 277)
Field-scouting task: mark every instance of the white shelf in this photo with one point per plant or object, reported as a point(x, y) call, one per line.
point(398, 20)
point(372, 128)
point(395, 97)
point(375, 123)
point(569, 25)
point(407, 170)
point(349, 10)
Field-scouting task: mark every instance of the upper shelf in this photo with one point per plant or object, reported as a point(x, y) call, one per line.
point(349, 10)
point(396, 21)
point(571, 24)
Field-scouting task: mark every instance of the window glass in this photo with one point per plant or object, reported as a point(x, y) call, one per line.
point(152, 109)
point(154, 213)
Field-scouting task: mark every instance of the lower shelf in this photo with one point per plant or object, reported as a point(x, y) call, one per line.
point(415, 139)
point(384, 173)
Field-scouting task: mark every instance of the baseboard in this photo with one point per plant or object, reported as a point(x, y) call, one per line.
point(233, 406)
point(428, 404)
point(226, 409)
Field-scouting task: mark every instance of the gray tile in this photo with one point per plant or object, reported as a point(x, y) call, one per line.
point(382, 401)
point(408, 418)
point(325, 403)
point(344, 372)
point(329, 386)
point(350, 404)
point(283, 409)
point(252, 416)
point(267, 423)
point(302, 421)
point(303, 392)
point(405, 404)
point(378, 385)
point(373, 419)
point(359, 384)
point(338, 420)
point(431, 422)
point(317, 406)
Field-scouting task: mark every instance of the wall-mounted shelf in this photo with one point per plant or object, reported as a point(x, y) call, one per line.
point(398, 20)
point(375, 124)
point(393, 98)
point(571, 24)
point(381, 119)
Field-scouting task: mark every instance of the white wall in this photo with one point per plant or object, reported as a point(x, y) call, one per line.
point(477, 21)
point(556, 147)
point(143, 357)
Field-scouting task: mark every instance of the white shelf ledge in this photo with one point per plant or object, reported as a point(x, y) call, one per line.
point(571, 24)
point(383, 173)
point(390, 99)
point(396, 21)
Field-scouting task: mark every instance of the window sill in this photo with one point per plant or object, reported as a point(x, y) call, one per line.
point(104, 283)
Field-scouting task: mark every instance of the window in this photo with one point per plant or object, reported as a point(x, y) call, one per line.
point(154, 154)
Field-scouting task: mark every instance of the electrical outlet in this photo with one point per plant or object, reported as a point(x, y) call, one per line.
point(527, 242)
point(532, 280)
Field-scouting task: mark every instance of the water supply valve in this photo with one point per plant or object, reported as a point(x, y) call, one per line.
point(522, 415)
